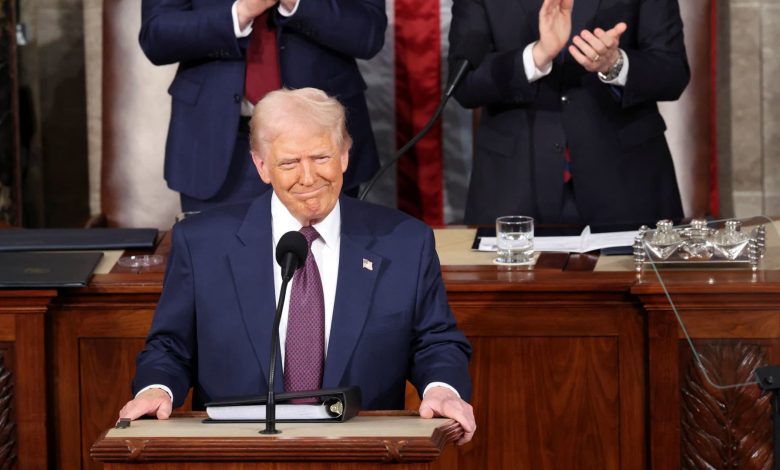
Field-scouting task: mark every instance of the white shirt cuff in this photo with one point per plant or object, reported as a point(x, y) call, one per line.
point(248, 30)
point(161, 387)
point(531, 72)
point(439, 384)
point(284, 12)
point(236, 28)
point(622, 77)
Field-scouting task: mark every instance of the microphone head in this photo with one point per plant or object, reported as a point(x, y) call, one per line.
point(472, 48)
point(292, 243)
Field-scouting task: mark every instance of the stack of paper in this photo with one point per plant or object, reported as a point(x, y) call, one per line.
point(585, 242)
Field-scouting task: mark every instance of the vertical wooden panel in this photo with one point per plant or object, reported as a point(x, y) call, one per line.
point(8, 432)
point(664, 386)
point(94, 346)
point(31, 388)
point(633, 389)
point(106, 369)
point(551, 403)
point(64, 385)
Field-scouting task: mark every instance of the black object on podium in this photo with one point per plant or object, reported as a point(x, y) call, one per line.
point(77, 239)
point(338, 405)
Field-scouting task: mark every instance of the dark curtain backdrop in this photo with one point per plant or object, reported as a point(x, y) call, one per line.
point(9, 123)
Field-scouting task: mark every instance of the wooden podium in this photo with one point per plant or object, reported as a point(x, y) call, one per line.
point(367, 441)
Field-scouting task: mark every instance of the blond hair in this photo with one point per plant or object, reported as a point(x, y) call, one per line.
point(285, 109)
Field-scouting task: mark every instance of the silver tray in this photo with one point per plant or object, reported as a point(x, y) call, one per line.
point(749, 257)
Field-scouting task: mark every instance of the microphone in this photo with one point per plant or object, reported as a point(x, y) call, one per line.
point(291, 252)
point(469, 52)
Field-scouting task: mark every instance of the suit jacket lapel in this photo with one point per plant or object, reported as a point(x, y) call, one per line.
point(252, 265)
point(359, 269)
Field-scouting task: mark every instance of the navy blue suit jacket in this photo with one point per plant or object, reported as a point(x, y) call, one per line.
point(317, 48)
point(622, 167)
point(212, 328)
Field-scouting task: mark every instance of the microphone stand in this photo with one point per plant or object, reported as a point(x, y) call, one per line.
point(464, 66)
point(270, 406)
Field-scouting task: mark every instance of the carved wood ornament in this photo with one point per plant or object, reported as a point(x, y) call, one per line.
point(725, 427)
point(7, 425)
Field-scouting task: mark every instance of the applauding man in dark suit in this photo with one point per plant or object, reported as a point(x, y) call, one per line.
point(570, 131)
point(232, 52)
point(375, 312)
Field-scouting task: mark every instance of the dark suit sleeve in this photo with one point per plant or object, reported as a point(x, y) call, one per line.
point(658, 67)
point(168, 357)
point(354, 28)
point(500, 77)
point(172, 31)
point(440, 351)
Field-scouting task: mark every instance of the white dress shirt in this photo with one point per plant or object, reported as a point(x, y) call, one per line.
point(326, 251)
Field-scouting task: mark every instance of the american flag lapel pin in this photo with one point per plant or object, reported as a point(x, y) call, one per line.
point(367, 264)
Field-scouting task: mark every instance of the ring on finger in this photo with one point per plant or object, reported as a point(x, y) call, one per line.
point(596, 58)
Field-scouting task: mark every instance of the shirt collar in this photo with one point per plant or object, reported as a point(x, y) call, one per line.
point(282, 221)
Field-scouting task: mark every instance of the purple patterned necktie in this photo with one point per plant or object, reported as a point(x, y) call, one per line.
point(305, 344)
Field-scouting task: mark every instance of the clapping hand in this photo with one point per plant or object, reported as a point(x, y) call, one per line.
point(597, 51)
point(247, 10)
point(554, 31)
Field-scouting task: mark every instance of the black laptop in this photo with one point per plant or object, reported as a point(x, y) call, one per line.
point(46, 269)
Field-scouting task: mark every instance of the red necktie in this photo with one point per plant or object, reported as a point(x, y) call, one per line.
point(262, 60)
point(304, 349)
point(566, 165)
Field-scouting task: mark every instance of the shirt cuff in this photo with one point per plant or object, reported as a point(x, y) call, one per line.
point(236, 28)
point(622, 77)
point(284, 12)
point(439, 384)
point(532, 73)
point(161, 387)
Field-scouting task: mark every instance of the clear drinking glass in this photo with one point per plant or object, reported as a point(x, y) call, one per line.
point(515, 239)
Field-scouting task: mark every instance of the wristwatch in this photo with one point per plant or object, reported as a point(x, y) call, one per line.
point(613, 71)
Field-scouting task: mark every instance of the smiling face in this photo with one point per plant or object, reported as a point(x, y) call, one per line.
point(305, 168)
point(300, 147)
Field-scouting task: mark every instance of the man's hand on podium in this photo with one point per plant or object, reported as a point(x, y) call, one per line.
point(443, 402)
point(153, 402)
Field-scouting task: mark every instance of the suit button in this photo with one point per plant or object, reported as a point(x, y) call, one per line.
point(237, 98)
point(564, 99)
point(558, 148)
point(281, 48)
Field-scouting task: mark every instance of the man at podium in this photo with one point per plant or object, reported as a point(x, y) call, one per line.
point(367, 308)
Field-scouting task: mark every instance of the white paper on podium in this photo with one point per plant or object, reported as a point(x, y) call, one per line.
point(586, 241)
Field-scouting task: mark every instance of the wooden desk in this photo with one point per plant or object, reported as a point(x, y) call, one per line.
point(368, 441)
point(571, 368)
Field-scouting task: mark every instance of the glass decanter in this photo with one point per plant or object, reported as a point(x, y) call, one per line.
point(664, 240)
point(697, 245)
point(730, 242)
